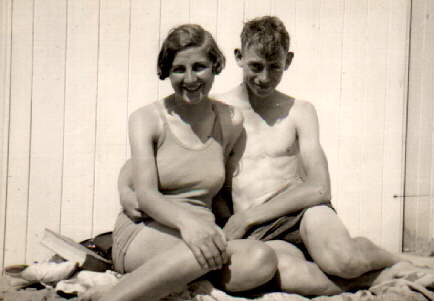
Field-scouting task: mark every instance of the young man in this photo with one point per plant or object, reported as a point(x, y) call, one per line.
point(279, 179)
point(280, 184)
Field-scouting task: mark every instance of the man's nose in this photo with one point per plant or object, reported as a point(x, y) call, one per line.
point(264, 76)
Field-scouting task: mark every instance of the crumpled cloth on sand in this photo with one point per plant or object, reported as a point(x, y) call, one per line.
point(394, 290)
point(84, 280)
point(203, 290)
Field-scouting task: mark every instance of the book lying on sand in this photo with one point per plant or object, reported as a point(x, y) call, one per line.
point(70, 250)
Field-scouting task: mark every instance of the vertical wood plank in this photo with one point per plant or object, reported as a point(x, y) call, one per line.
point(173, 13)
point(396, 92)
point(425, 220)
point(253, 9)
point(418, 179)
point(229, 26)
point(349, 192)
point(329, 73)
point(111, 138)
point(80, 113)
point(286, 12)
point(413, 114)
point(19, 140)
point(205, 13)
point(302, 76)
point(144, 47)
point(5, 68)
point(373, 118)
point(47, 123)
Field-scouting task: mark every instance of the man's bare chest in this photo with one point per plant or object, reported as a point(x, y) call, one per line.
point(269, 139)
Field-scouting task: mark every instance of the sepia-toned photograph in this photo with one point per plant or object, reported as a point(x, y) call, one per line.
point(216, 150)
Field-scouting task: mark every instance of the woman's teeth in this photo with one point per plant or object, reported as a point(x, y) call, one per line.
point(192, 89)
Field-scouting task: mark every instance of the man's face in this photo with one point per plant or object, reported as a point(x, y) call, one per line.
point(262, 75)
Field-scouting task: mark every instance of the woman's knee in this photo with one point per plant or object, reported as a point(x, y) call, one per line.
point(252, 263)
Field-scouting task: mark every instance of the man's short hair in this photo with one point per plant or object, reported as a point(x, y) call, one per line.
point(267, 34)
point(183, 37)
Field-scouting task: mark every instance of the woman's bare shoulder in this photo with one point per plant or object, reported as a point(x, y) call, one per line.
point(146, 118)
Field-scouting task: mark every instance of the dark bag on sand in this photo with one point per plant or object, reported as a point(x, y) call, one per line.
point(100, 244)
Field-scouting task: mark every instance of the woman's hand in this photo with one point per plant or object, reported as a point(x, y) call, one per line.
point(207, 242)
point(130, 204)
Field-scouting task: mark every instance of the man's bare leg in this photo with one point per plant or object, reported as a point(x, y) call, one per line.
point(297, 275)
point(335, 252)
point(350, 263)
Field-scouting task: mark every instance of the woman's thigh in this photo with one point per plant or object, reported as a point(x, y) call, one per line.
point(153, 239)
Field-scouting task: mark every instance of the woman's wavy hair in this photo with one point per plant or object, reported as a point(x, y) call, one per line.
point(183, 37)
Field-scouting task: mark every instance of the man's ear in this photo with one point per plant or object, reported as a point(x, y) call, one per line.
point(238, 56)
point(289, 58)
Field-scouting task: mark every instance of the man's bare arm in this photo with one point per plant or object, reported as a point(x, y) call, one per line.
point(313, 191)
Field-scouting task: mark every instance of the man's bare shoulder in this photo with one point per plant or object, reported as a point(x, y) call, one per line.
point(305, 116)
point(229, 113)
point(234, 97)
point(302, 108)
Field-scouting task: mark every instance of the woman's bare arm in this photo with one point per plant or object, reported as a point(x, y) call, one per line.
point(127, 195)
point(204, 238)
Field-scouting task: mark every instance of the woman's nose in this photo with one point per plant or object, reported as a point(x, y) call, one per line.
point(190, 77)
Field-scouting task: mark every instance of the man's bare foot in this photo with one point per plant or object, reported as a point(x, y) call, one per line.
point(417, 260)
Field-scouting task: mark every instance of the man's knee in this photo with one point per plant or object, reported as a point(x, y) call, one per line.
point(329, 243)
point(315, 217)
point(342, 260)
point(284, 247)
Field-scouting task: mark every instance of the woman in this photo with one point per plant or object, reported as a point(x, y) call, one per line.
point(179, 147)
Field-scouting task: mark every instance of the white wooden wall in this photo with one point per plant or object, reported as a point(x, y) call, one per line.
point(419, 185)
point(73, 70)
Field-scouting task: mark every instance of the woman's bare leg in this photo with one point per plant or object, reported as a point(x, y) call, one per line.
point(159, 262)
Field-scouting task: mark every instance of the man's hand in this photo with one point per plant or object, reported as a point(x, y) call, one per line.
point(207, 242)
point(237, 226)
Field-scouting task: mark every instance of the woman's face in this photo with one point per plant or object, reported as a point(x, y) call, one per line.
point(191, 75)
